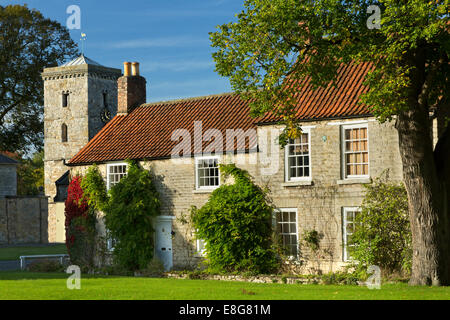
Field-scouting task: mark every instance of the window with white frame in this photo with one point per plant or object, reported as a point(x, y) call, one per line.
point(207, 172)
point(201, 247)
point(348, 228)
point(110, 243)
point(115, 172)
point(355, 150)
point(298, 157)
point(286, 227)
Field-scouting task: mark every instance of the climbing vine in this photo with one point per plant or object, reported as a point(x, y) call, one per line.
point(80, 222)
point(128, 208)
point(236, 224)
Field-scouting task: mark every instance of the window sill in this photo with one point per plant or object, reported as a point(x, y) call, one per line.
point(199, 191)
point(297, 183)
point(199, 255)
point(354, 181)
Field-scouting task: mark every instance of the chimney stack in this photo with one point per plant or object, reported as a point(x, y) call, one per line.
point(131, 89)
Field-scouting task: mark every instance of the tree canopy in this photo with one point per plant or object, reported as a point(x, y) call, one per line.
point(29, 42)
point(275, 40)
point(274, 44)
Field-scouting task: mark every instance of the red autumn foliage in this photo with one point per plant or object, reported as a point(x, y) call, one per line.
point(75, 206)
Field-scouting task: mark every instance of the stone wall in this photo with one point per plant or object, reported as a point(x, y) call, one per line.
point(8, 180)
point(23, 220)
point(86, 86)
point(319, 203)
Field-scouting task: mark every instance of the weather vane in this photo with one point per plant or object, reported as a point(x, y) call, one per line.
point(83, 39)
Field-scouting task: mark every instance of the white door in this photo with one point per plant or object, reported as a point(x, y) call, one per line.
point(163, 240)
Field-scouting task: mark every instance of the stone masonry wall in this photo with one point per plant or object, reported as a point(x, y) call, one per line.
point(85, 85)
point(8, 180)
point(319, 203)
point(23, 220)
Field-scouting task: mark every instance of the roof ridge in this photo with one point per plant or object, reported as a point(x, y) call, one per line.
point(218, 95)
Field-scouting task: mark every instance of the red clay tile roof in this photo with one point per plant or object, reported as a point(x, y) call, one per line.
point(340, 101)
point(146, 132)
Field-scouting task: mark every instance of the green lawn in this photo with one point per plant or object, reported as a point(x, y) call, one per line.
point(13, 253)
point(25, 285)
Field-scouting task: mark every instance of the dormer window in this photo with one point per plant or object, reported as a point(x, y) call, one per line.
point(65, 99)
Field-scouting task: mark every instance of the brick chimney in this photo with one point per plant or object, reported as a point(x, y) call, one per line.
point(131, 88)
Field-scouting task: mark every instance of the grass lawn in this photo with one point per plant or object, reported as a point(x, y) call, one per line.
point(13, 253)
point(26, 285)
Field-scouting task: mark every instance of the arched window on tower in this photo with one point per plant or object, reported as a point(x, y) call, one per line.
point(64, 133)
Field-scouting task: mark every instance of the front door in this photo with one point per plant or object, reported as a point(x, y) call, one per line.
point(163, 240)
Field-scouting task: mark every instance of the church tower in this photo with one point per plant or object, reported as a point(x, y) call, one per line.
point(80, 97)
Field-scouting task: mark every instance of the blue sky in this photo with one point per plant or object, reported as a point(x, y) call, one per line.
point(169, 38)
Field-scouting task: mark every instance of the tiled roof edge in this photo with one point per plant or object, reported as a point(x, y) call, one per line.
point(175, 101)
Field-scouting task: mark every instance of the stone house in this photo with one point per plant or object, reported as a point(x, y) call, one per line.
point(8, 176)
point(316, 181)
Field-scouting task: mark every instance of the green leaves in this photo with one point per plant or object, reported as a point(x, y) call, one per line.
point(277, 42)
point(236, 225)
point(382, 236)
point(129, 208)
point(28, 43)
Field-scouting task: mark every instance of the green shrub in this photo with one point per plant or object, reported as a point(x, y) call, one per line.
point(340, 278)
point(236, 224)
point(129, 213)
point(382, 235)
point(45, 266)
point(311, 239)
point(94, 188)
point(154, 268)
point(82, 228)
point(80, 220)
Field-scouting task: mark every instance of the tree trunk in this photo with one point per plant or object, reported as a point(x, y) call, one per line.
point(427, 186)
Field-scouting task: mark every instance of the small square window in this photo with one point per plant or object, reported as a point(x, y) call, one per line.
point(207, 172)
point(115, 173)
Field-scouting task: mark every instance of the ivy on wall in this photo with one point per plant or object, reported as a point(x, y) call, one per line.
point(80, 226)
point(236, 224)
point(129, 208)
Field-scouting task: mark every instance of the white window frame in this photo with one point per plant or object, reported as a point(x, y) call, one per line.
point(343, 157)
point(201, 252)
point(197, 185)
point(286, 160)
point(113, 164)
point(345, 254)
point(110, 244)
point(281, 210)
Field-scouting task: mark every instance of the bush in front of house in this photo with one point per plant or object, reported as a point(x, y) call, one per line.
point(236, 225)
point(382, 234)
point(80, 223)
point(129, 211)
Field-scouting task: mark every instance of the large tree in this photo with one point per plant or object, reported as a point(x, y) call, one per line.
point(29, 42)
point(278, 42)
